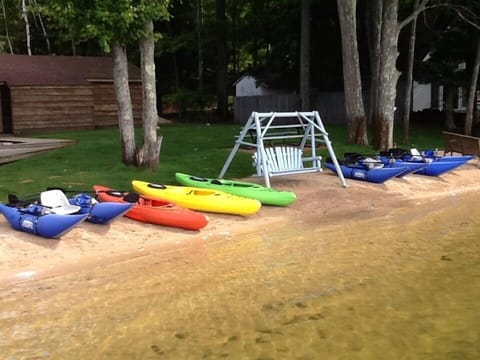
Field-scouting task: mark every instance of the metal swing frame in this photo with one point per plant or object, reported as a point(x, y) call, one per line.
point(305, 127)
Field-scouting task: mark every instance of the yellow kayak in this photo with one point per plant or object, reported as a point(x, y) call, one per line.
point(198, 199)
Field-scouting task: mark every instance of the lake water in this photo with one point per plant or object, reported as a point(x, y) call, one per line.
point(398, 285)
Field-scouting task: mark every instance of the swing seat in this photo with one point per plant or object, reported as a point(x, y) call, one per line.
point(284, 160)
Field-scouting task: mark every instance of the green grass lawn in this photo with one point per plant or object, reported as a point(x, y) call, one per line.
point(197, 149)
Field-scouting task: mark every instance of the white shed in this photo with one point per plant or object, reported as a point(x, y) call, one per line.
point(248, 85)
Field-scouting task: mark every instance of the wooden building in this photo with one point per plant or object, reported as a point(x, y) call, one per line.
point(43, 93)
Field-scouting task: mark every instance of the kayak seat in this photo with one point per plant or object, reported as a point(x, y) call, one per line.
point(58, 202)
point(131, 198)
point(285, 160)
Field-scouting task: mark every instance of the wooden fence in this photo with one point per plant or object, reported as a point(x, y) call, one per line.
point(330, 106)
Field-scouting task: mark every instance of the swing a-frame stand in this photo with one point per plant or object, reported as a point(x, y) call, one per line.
point(302, 128)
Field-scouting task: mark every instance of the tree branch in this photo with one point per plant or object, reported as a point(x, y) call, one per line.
point(460, 10)
point(421, 7)
point(460, 14)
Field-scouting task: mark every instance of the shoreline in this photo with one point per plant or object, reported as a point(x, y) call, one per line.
point(320, 197)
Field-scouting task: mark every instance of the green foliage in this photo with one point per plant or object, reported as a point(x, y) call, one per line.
point(107, 21)
point(185, 99)
point(194, 148)
point(263, 36)
point(12, 24)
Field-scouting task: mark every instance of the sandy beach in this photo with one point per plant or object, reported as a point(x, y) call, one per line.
point(24, 257)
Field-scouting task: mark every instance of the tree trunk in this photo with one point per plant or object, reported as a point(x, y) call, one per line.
point(221, 60)
point(74, 47)
point(149, 154)
point(124, 104)
point(383, 113)
point(352, 83)
point(472, 98)
point(6, 28)
point(409, 81)
point(174, 61)
point(33, 4)
point(373, 20)
point(448, 107)
point(27, 27)
point(199, 22)
point(234, 39)
point(305, 55)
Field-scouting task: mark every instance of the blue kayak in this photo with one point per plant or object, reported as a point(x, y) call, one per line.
point(57, 202)
point(409, 167)
point(374, 175)
point(437, 168)
point(36, 220)
point(430, 154)
point(433, 168)
point(99, 212)
point(434, 165)
point(462, 158)
point(357, 160)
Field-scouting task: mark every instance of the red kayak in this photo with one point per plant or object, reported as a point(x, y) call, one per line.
point(153, 211)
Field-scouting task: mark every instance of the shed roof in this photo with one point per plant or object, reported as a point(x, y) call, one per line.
point(270, 80)
point(58, 70)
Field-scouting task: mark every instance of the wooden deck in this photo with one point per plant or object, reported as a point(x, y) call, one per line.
point(464, 144)
point(16, 148)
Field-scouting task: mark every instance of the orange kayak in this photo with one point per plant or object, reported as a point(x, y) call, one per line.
point(153, 211)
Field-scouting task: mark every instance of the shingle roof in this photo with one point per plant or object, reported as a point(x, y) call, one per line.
point(57, 70)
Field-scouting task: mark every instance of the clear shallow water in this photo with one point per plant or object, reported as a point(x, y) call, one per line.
point(402, 285)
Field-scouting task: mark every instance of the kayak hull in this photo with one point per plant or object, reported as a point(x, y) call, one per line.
point(154, 211)
point(99, 213)
point(434, 165)
point(410, 167)
point(463, 158)
point(437, 168)
point(30, 220)
point(374, 175)
point(198, 199)
point(267, 196)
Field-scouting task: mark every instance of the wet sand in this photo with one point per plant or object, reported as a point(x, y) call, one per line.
point(25, 257)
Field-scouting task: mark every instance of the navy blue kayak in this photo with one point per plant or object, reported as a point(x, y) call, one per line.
point(374, 175)
point(36, 220)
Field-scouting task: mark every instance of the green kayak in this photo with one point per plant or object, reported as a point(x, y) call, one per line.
point(266, 196)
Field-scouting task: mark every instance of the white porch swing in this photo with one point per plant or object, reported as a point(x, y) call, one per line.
point(306, 127)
